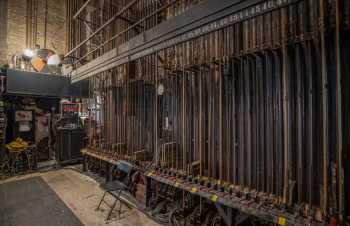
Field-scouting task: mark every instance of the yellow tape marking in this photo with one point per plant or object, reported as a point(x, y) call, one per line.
point(214, 198)
point(282, 221)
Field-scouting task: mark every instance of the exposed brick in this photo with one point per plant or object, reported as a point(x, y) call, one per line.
point(13, 22)
point(3, 32)
point(16, 26)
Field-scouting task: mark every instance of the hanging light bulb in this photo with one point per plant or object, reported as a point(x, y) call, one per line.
point(28, 53)
point(54, 60)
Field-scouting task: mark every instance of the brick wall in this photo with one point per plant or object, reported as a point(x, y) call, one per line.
point(3, 31)
point(13, 26)
point(56, 27)
point(16, 26)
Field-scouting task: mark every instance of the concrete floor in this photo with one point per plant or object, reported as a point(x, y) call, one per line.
point(82, 194)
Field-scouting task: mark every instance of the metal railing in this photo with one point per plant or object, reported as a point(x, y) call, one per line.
point(153, 16)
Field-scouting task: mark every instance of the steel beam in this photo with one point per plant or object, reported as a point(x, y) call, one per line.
point(81, 9)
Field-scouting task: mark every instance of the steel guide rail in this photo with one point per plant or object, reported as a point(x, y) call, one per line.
point(243, 104)
point(250, 207)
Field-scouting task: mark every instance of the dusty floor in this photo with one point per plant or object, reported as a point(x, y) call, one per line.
point(82, 194)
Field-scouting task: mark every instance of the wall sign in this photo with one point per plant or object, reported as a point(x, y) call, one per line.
point(23, 116)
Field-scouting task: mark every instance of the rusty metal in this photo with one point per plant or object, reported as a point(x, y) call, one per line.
point(286, 111)
point(325, 113)
point(339, 110)
point(257, 107)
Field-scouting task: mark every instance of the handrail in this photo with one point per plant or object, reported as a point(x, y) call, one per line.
point(81, 9)
point(102, 27)
point(124, 31)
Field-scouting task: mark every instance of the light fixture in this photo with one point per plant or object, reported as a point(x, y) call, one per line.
point(28, 53)
point(54, 60)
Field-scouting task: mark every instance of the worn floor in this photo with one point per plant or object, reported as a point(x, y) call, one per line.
point(32, 202)
point(82, 194)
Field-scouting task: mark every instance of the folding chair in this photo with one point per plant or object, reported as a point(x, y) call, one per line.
point(116, 188)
